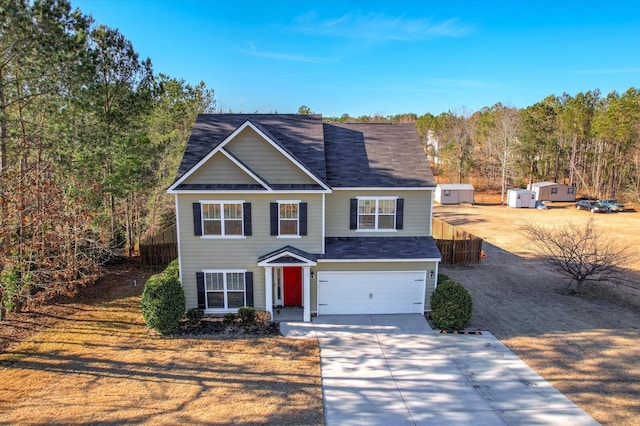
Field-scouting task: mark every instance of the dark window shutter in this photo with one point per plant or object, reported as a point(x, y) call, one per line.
point(246, 213)
point(248, 282)
point(200, 286)
point(399, 213)
point(353, 214)
point(274, 218)
point(302, 209)
point(197, 220)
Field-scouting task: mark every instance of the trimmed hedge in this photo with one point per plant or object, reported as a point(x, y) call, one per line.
point(173, 268)
point(247, 315)
point(163, 302)
point(451, 305)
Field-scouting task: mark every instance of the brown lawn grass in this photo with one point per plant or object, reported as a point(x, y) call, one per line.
point(102, 365)
point(586, 346)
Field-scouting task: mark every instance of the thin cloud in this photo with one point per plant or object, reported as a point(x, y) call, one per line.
point(252, 51)
point(377, 26)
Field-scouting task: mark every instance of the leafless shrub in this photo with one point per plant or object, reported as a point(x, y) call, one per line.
point(579, 252)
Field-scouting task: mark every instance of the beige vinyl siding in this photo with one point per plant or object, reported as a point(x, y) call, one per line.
point(198, 253)
point(220, 170)
point(265, 160)
point(417, 212)
point(375, 266)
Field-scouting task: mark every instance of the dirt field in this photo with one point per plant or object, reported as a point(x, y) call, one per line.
point(586, 346)
point(99, 364)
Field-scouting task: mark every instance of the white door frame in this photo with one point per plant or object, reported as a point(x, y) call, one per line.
point(278, 286)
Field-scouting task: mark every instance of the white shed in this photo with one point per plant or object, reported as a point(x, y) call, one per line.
point(521, 198)
point(454, 193)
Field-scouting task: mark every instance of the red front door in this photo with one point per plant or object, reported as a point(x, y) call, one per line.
point(292, 286)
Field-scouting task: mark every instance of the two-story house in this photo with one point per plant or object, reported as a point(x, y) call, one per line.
point(286, 210)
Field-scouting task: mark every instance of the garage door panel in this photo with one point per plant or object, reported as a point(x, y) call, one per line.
point(371, 292)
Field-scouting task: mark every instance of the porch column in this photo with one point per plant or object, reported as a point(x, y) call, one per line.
point(268, 290)
point(306, 294)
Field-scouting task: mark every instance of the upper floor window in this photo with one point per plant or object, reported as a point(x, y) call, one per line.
point(222, 218)
point(288, 218)
point(376, 213)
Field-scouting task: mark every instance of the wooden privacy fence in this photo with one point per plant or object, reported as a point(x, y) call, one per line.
point(456, 246)
point(160, 249)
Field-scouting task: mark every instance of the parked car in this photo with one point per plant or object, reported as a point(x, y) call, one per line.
point(613, 205)
point(592, 206)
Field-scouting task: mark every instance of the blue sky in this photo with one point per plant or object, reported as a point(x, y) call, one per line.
point(374, 57)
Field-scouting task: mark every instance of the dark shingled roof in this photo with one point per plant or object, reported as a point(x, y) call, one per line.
point(299, 135)
point(289, 249)
point(339, 154)
point(380, 248)
point(375, 155)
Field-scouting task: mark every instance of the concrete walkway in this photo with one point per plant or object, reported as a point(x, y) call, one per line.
point(396, 370)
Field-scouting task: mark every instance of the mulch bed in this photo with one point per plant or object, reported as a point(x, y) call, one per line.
point(216, 327)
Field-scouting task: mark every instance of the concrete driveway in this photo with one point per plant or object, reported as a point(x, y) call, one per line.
point(396, 370)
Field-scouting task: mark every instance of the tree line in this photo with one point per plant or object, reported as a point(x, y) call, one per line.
point(588, 140)
point(89, 138)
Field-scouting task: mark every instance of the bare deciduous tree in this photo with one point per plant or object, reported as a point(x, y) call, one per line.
point(579, 252)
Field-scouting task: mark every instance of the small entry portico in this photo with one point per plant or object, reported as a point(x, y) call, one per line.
point(287, 278)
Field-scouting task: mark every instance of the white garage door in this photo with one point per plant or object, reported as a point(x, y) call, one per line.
point(371, 292)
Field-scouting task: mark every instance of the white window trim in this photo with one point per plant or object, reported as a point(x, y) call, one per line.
point(297, 235)
point(376, 229)
point(221, 203)
point(224, 273)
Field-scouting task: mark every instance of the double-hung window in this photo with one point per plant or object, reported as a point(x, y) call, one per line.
point(224, 289)
point(222, 218)
point(288, 218)
point(376, 213)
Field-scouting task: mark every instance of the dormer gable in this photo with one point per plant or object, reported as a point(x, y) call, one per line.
point(260, 157)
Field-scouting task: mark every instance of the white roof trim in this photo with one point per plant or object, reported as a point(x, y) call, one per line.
point(235, 161)
point(239, 191)
point(232, 136)
point(269, 261)
point(377, 260)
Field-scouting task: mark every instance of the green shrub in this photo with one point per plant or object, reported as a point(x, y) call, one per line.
point(451, 305)
point(442, 278)
point(247, 315)
point(163, 303)
point(173, 268)
point(229, 319)
point(195, 315)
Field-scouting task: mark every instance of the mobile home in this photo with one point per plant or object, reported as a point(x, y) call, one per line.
point(551, 191)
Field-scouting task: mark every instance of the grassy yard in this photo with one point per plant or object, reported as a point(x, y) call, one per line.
point(102, 365)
